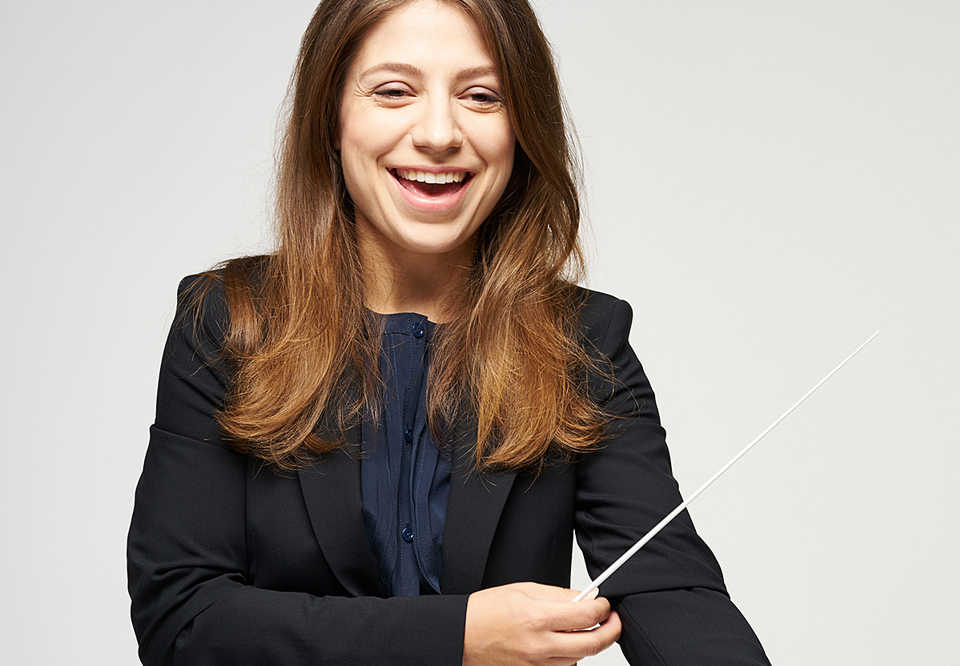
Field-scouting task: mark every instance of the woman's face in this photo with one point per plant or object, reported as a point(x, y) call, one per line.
point(425, 142)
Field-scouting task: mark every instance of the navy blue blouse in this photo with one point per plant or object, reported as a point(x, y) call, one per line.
point(405, 478)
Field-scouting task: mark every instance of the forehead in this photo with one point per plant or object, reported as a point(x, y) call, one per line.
point(423, 33)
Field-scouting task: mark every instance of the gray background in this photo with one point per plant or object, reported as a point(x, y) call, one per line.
point(767, 183)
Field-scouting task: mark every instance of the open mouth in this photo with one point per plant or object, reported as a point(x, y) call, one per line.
point(431, 184)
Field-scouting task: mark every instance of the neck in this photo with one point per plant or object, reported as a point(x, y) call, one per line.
point(397, 280)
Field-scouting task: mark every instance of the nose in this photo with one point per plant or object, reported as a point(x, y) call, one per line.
point(437, 129)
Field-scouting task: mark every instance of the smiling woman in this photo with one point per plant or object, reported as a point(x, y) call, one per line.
point(374, 445)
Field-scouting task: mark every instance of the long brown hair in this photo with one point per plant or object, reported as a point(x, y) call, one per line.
point(511, 361)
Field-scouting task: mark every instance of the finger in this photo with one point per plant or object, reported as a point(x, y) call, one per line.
point(547, 592)
point(573, 594)
point(581, 615)
point(579, 644)
point(552, 592)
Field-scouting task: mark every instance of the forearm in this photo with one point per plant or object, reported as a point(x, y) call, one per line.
point(247, 625)
point(193, 578)
point(687, 627)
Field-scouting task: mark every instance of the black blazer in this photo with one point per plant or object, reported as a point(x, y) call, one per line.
point(232, 563)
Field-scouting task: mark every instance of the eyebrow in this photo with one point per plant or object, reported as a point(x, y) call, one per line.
point(410, 70)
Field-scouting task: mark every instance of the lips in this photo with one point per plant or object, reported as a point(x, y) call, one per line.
point(431, 184)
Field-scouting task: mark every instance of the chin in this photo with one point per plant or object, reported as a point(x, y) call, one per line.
point(426, 241)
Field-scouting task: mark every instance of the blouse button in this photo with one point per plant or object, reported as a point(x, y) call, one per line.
point(408, 435)
point(418, 331)
point(407, 534)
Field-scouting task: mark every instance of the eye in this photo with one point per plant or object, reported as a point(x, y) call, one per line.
point(392, 92)
point(483, 98)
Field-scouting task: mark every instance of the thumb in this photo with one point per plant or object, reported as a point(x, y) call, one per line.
point(570, 595)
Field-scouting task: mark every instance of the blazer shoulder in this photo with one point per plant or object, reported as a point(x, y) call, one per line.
point(202, 310)
point(604, 319)
point(204, 299)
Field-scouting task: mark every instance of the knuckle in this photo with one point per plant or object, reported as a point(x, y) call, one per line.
point(540, 617)
point(593, 646)
point(538, 650)
point(597, 616)
point(604, 610)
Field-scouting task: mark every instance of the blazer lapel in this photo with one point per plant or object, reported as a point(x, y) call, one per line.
point(331, 489)
point(473, 511)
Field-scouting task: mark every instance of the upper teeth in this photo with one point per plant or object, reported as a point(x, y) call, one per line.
point(431, 177)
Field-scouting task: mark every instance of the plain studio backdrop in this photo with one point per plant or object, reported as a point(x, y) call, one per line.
point(766, 182)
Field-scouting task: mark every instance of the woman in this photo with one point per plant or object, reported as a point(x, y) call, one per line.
point(411, 397)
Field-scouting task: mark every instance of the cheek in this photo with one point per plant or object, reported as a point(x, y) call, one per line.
point(360, 146)
point(497, 144)
point(349, 161)
point(365, 135)
point(499, 155)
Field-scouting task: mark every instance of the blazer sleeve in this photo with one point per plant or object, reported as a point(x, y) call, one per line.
point(193, 597)
point(670, 596)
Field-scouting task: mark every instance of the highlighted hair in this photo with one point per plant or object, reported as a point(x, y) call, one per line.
point(510, 362)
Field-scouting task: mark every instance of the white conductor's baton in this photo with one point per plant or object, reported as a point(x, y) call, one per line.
point(595, 583)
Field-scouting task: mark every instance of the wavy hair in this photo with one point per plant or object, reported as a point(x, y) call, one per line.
point(510, 362)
